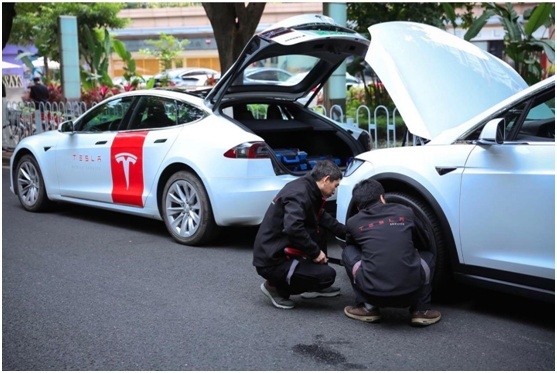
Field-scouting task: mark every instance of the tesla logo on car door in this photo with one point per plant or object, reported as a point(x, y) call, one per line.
point(126, 159)
point(126, 163)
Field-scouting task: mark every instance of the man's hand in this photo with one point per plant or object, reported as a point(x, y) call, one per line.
point(321, 258)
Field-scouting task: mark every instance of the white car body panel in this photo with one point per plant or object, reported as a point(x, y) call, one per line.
point(84, 174)
point(512, 187)
point(446, 72)
point(416, 163)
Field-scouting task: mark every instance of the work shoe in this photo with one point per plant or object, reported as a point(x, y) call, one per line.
point(363, 314)
point(278, 301)
point(425, 318)
point(331, 291)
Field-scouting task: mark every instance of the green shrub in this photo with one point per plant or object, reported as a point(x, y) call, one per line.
point(355, 98)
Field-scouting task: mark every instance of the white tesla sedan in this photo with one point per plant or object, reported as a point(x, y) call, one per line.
point(482, 172)
point(199, 163)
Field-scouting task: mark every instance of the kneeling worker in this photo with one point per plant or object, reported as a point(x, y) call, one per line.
point(381, 259)
point(290, 247)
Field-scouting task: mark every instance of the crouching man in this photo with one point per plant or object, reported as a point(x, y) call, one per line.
point(290, 250)
point(381, 259)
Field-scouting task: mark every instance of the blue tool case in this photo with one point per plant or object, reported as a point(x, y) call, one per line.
point(298, 160)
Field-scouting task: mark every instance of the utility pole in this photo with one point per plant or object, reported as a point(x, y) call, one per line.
point(335, 89)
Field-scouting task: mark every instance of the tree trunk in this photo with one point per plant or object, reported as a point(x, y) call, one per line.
point(233, 26)
point(46, 74)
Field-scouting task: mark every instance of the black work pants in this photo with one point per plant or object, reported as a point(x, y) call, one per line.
point(419, 300)
point(296, 276)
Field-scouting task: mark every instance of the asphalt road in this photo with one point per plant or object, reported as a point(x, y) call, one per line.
point(84, 289)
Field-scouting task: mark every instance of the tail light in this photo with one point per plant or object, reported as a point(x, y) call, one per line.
point(248, 150)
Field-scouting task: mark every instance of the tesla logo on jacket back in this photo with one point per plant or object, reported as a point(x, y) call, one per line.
point(126, 163)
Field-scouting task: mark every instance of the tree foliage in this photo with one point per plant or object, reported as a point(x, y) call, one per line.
point(520, 44)
point(364, 14)
point(165, 49)
point(37, 24)
point(99, 47)
point(233, 25)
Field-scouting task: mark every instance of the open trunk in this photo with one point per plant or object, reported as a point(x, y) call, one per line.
point(297, 138)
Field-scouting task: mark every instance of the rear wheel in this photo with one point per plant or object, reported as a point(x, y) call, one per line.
point(29, 182)
point(187, 211)
point(442, 279)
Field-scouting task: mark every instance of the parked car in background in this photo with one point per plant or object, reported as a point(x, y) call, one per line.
point(198, 162)
point(141, 80)
point(481, 175)
point(265, 75)
point(188, 76)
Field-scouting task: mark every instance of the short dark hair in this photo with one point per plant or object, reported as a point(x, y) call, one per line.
point(326, 168)
point(367, 192)
point(36, 79)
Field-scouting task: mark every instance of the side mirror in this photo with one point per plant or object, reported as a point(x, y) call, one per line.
point(66, 126)
point(493, 132)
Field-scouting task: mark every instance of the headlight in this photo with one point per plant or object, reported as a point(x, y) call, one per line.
point(353, 166)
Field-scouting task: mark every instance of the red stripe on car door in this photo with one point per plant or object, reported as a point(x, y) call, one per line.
point(126, 163)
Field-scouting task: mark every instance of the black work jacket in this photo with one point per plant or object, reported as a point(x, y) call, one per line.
point(386, 235)
point(39, 93)
point(293, 219)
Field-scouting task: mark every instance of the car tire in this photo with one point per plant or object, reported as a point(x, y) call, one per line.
point(30, 187)
point(442, 280)
point(187, 211)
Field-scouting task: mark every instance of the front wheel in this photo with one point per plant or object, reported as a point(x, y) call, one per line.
point(29, 182)
point(187, 211)
point(442, 280)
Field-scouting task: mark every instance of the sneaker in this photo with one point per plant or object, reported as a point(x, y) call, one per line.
point(363, 314)
point(278, 301)
point(425, 318)
point(331, 291)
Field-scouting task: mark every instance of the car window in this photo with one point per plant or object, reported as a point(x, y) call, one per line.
point(188, 113)
point(295, 66)
point(531, 120)
point(154, 112)
point(539, 122)
point(106, 116)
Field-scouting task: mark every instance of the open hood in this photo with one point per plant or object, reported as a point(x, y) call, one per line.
point(437, 80)
point(309, 47)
